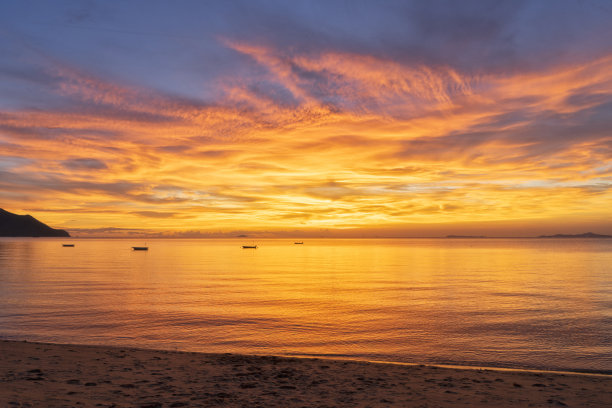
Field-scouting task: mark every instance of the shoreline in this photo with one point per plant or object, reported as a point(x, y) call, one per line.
point(57, 375)
point(585, 371)
point(341, 358)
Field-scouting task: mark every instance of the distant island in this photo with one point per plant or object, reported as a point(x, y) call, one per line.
point(585, 235)
point(13, 225)
point(466, 236)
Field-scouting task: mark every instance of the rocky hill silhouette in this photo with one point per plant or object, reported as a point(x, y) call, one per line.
point(13, 225)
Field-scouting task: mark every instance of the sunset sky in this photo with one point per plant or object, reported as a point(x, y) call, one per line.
point(334, 118)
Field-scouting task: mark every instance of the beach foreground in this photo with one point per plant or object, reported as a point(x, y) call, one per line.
point(53, 375)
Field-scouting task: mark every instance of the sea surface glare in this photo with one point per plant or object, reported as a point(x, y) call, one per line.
point(526, 303)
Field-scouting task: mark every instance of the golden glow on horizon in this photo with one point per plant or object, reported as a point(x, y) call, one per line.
point(395, 146)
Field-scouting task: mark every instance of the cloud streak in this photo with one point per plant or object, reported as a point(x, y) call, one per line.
point(303, 133)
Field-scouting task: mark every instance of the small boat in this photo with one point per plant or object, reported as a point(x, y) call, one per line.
point(67, 245)
point(144, 248)
point(249, 246)
point(299, 243)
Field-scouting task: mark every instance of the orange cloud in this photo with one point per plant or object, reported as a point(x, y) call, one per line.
point(317, 141)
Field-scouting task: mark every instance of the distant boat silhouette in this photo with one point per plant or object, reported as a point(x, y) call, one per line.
point(299, 243)
point(140, 248)
point(67, 245)
point(249, 246)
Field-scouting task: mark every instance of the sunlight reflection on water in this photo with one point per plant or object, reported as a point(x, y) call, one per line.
point(502, 302)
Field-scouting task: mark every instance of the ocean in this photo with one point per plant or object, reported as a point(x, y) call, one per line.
point(515, 303)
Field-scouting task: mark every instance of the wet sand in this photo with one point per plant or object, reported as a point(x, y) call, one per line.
point(52, 375)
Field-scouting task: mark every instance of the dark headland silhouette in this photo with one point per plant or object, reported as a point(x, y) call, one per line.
point(466, 236)
point(585, 235)
point(13, 225)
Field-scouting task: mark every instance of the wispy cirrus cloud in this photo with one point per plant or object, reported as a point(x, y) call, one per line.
point(336, 134)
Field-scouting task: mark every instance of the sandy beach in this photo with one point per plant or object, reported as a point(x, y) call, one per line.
point(52, 375)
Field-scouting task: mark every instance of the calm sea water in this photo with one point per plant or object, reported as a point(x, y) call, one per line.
point(527, 303)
